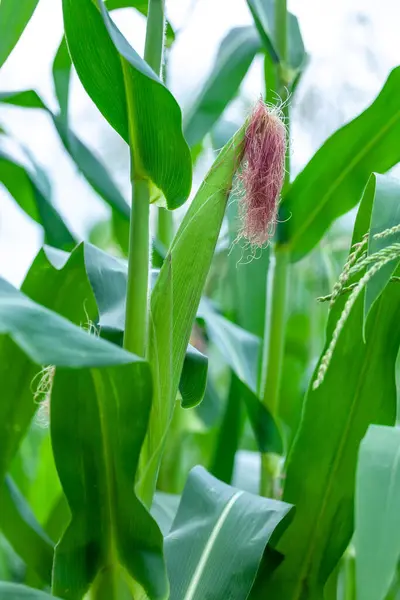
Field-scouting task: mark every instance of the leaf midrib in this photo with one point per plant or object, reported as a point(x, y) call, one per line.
point(321, 204)
point(205, 555)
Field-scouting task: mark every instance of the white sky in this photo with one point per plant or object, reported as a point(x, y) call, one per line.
point(353, 44)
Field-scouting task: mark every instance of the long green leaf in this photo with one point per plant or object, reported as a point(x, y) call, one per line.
point(97, 433)
point(24, 533)
point(214, 519)
point(358, 389)
point(189, 268)
point(160, 358)
point(87, 162)
point(229, 433)
point(15, 591)
point(30, 188)
point(62, 61)
point(332, 182)
point(13, 20)
point(241, 351)
point(115, 76)
point(377, 538)
point(98, 424)
point(233, 60)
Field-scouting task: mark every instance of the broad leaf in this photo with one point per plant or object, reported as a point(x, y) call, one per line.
point(105, 62)
point(213, 520)
point(189, 268)
point(13, 20)
point(332, 182)
point(98, 424)
point(100, 403)
point(233, 60)
point(377, 539)
point(358, 389)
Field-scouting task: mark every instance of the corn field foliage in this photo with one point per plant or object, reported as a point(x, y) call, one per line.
point(205, 408)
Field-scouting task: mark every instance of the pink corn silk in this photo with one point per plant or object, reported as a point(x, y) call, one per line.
point(262, 175)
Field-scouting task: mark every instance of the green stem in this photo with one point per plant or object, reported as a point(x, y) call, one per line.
point(153, 54)
point(138, 270)
point(154, 45)
point(136, 317)
point(275, 317)
point(274, 331)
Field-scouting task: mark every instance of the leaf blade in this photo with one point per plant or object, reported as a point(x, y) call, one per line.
point(341, 168)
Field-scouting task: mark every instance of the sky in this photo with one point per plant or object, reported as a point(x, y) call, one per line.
point(352, 44)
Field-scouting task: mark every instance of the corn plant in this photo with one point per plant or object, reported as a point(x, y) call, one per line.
point(110, 351)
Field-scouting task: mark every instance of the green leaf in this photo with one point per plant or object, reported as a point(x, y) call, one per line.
point(164, 509)
point(358, 389)
point(261, 13)
point(98, 424)
point(233, 60)
point(62, 77)
point(160, 357)
point(189, 268)
point(385, 215)
point(104, 61)
point(240, 348)
point(30, 188)
point(214, 519)
point(332, 182)
point(241, 351)
point(229, 433)
point(24, 533)
point(15, 591)
point(377, 523)
point(247, 278)
point(97, 433)
point(62, 61)
point(192, 384)
point(13, 20)
point(87, 162)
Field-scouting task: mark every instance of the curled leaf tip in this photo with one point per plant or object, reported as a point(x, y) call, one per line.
point(263, 171)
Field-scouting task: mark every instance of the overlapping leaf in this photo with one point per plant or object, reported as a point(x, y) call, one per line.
point(153, 127)
point(212, 517)
point(377, 523)
point(332, 182)
point(87, 162)
point(98, 387)
point(233, 60)
point(358, 389)
point(28, 185)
